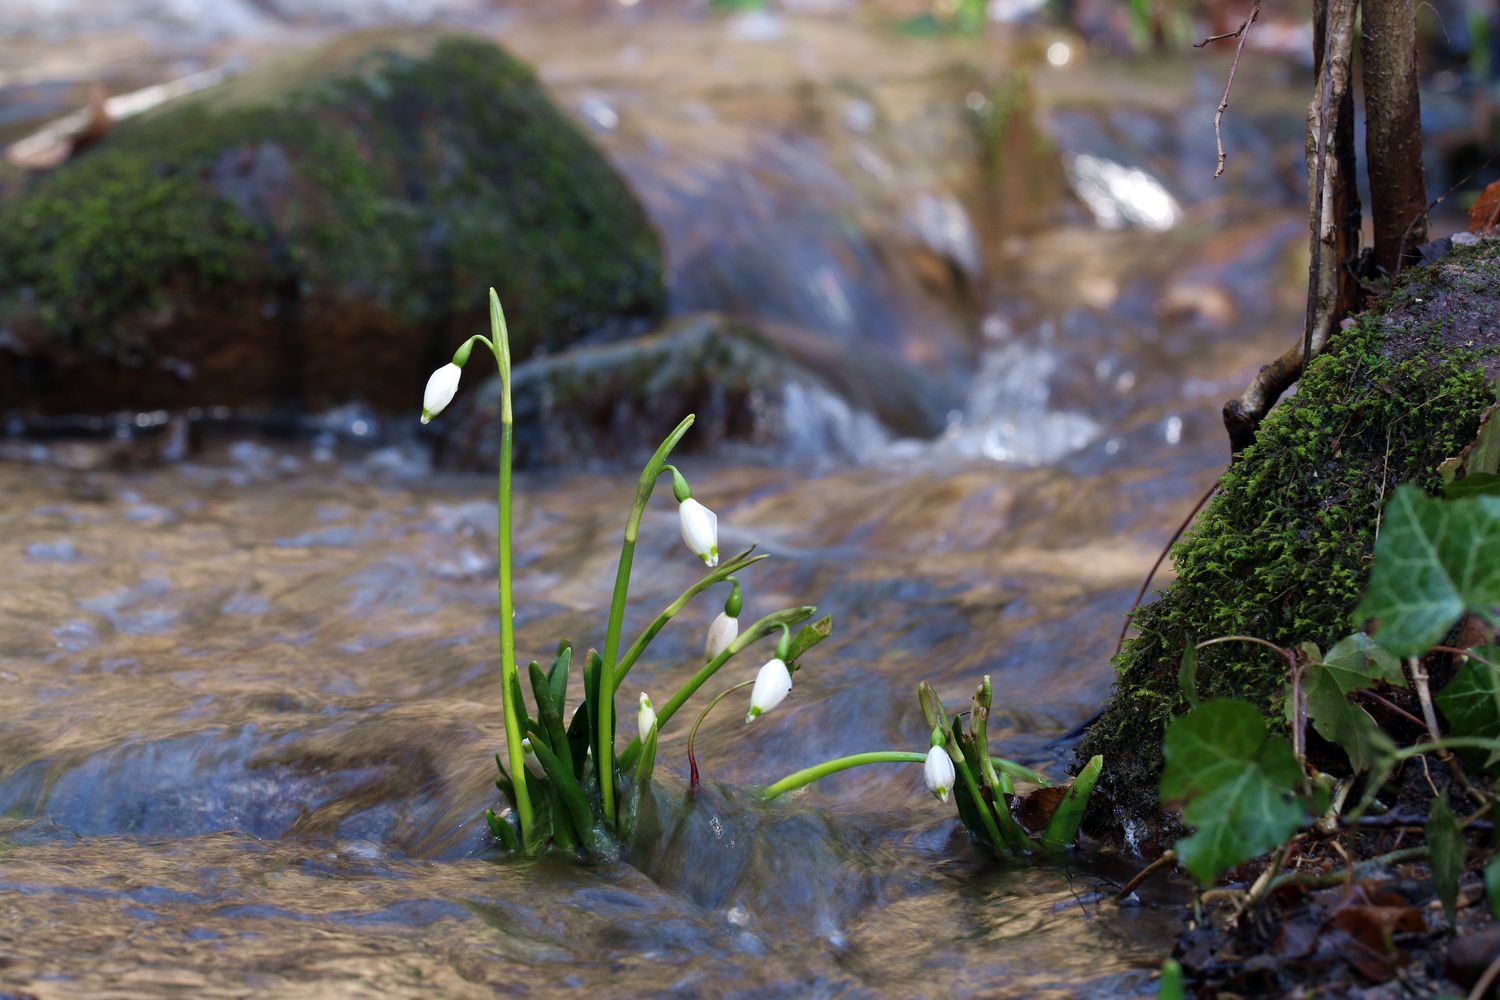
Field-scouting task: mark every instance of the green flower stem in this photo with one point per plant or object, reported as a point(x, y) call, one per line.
point(770, 623)
point(986, 815)
point(604, 713)
point(808, 775)
point(979, 724)
point(638, 647)
point(508, 679)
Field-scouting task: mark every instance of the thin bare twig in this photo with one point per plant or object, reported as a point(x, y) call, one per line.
point(1167, 857)
point(1242, 32)
point(1140, 595)
point(1482, 988)
point(1391, 706)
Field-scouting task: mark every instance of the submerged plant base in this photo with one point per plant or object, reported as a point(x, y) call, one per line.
point(1283, 550)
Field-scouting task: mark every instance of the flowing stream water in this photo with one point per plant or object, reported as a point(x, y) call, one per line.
point(248, 698)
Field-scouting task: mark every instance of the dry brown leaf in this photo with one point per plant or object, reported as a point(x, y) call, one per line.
point(1486, 211)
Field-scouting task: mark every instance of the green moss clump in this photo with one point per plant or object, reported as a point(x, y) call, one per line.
point(1283, 550)
point(342, 210)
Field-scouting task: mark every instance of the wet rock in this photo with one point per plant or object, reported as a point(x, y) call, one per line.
point(613, 401)
point(1470, 955)
point(317, 230)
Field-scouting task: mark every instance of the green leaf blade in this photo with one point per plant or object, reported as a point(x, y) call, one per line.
point(1431, 567)
point(1238, 784)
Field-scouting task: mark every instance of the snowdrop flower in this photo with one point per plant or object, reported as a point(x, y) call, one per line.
point(720, 634)
point(700, 530)
point(533, 763)
point(938, 771)
point(441, 387)
point(772, 685)
point(645, 717)
point(700, 526)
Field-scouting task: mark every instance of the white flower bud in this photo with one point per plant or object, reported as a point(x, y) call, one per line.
point(772, 685)
point(533, 762)
point(441, 387)
point(720, 634)
point(700, 530)
point(938, 771)
point(645, 717)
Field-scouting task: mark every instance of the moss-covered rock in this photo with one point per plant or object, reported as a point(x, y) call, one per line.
point(319, 229)
point(616, 401)
point(1283, 550)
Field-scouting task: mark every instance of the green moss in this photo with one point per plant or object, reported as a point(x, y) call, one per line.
point(402, 177)
point(1283, 550)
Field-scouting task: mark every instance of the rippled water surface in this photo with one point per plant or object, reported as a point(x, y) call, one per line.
point(247, 699)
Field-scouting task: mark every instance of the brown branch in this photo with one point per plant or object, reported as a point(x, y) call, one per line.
point(1242, 33)
point(1334, 222)
point(1393, 132)
point(1167, 857)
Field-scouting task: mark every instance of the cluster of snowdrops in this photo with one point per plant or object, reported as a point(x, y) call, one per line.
point(565, 785)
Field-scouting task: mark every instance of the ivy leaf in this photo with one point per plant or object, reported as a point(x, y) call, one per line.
point(1470, 703)
point(1445, 842)
point(1476, 484)
point(1431, 565)
point(1353, 664)
point(1341, 723)
point(1238, 784)
point(1358, 661)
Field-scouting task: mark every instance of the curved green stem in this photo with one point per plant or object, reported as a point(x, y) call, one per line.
point(693, 733)
point(604, 712)
point(638, 647)
point(768, 624)
point(508, 679)
point(808, 775)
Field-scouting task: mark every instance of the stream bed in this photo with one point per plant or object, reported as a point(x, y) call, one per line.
point(248, 697)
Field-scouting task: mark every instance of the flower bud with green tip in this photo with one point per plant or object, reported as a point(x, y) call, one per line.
point(700, 526)
point(645, 717)
point(726, 627)
point(442, 385)
point(533, 762)
point(938, 768)
point(774, 681)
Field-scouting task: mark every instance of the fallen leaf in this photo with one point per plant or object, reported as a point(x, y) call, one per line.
point(1486, 211)
point(1036, 807)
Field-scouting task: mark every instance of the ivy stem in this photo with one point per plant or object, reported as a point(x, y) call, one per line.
point(514, 729)
point(604, 712)
point(693, 733)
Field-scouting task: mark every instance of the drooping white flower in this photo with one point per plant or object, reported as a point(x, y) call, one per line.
point(700, 530)
point(533, 763)
point(441, 387)
point(772, 685)
point(645, 717)
point(720, 634)
point(938, 771)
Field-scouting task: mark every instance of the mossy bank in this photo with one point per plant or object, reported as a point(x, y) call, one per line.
point(320, 229)
point(1283, 550)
